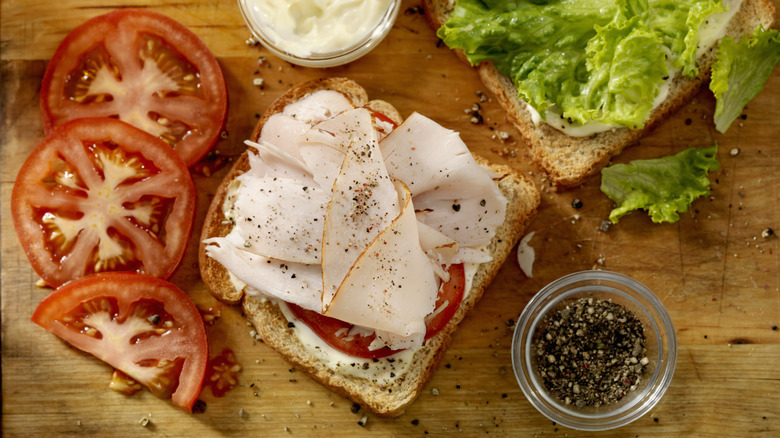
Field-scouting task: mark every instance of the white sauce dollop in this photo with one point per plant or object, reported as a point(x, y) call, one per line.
point(526, 255)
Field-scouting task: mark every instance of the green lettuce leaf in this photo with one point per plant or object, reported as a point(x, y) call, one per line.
point(740, 72)
point(663, 186)
point(600, 60)
point(627, 65)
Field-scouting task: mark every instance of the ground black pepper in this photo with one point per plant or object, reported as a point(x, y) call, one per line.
point(590, 352)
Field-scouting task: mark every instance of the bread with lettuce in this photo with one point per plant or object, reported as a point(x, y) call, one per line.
point(603, 72)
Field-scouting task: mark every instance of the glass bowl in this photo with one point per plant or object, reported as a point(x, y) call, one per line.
point(273, 41)
point(660, 345)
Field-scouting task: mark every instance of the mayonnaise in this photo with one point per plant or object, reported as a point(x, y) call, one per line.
point(715, 26)
point(306, 27)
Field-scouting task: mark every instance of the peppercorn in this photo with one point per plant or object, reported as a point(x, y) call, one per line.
point(590, 352)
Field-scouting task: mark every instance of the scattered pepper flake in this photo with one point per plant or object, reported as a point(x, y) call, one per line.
point(154, 319)
point(414, 10)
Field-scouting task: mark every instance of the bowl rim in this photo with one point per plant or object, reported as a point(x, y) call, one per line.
point(651, 309)
point(327, 59)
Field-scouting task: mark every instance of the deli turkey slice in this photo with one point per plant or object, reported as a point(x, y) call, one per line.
point(364, 202)
point(459, 197)
point(291, 282)
point(391, 286)
point(270, 227)
point(285, 128)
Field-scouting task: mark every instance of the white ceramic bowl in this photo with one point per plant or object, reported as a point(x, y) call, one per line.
point(660, 343)
point(334, 58)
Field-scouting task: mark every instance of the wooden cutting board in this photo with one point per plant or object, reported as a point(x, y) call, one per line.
point(717, 276)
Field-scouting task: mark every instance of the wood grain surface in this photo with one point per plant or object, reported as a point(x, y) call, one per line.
point(716, 274)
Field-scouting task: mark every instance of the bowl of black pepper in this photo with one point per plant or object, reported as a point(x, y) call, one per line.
point(594, 350)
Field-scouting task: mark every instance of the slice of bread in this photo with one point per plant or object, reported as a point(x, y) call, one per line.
point(270, 322)
point(567, 160)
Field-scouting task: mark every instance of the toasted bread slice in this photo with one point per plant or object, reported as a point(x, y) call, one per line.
point(270, 322)
point(567, 160)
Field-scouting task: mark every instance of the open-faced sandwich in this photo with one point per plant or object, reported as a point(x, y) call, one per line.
point(357, 241)
point(583, 79)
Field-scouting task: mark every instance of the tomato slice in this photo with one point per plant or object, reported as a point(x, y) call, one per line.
point(383, 117)
point(335, 332)
point(448, 301)
point(145, 69)
point(143, 326)
point(100, 195)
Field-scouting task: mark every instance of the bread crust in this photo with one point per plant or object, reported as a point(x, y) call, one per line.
point(269, 320)
point(569, 161)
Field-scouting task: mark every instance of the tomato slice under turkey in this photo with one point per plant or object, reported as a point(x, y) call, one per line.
point(145, 69)
point(335, 332)
point(100, 195)
point(143, 326)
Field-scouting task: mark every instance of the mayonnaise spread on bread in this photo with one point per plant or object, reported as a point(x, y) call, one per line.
point(339, 215)
point(303, 27)
point(710, 32)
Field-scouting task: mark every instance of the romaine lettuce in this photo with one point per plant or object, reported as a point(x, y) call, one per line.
point(740, 71)
point(663, 186)
point(601, 60)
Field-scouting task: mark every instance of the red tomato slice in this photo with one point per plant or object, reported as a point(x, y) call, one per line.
point(448, 301)
point(100, 195)
point(382, 117)
point(145, 69)
point(143, 326)
point(335, 332)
